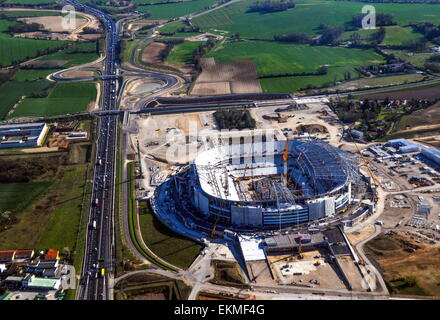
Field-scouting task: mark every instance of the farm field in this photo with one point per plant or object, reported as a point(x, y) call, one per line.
point(296, 59)
point(64, 98)
point(175, 10)
point(52, 220)
point(17, 196)
point(32, 74)
point(14, 49)
point(298, 83)
point(234, 18)
point(78, 54)
point(397, 36)
point(62, 228)
point(12, 91)
point(27, 82)
point(286, 58)
point(23, 13)
point(183, 52)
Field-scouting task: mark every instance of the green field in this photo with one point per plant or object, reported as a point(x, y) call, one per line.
point(167, 244)
point(21, 13)
point(175, 10)
point(77, 54)
point(19, 49)
point(17, 196)
point(62, 228)
point(286, 58)
point(32, 74)
point(64, 98)
point(306, 17)
point(183, 52)
point(12, 91)
point(416, 59)
point(29, 81)
point(397, 36)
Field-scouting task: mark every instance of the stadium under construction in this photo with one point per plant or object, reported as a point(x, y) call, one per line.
point(266, 186)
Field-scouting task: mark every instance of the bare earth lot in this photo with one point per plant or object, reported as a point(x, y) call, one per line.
point(227, 78)
point(151, 53)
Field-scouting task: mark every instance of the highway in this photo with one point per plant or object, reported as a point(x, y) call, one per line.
point(99, 249)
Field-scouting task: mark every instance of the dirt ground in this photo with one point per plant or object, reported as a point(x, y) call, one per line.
point(227, 78)
point(151, 53)
point(325, 273)
point(392, 252)
point(154, 129)
point(311, 128)
point(54, 23)
point(358, 236)
point(78, 73)
point(41, 149)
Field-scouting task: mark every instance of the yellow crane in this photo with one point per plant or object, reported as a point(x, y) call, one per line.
point(244, 175)
point(366, 162)
point(285, 158)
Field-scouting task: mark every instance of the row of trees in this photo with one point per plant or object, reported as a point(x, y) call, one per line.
point(25, 170)
point(201, 51)
point(235, 119)
point(430, 31)
point(271, 6)
point(366, 112)
point(25, 27)
point(382, 19)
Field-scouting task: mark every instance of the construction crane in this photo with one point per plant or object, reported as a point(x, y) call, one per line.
point(214, 227)
point(285, 158)
point(300, 255)
point(366, 162)
point(244, 175)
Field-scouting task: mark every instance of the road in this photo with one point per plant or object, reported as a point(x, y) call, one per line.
point(99, 250)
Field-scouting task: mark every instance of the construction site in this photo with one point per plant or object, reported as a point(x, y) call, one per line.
point(290, 201)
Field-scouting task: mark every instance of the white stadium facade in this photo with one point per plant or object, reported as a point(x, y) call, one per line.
point(273, 184)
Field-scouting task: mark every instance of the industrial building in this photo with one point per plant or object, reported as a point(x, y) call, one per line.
point(274, 184)
point(432, 154)
point(403, 145)
point(22, 135)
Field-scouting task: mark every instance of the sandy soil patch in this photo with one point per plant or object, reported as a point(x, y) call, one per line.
point(359, 236)
point(54, 23)
point(211, 88)
point(151, 53)
point(41, 149)
point(77, 73)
